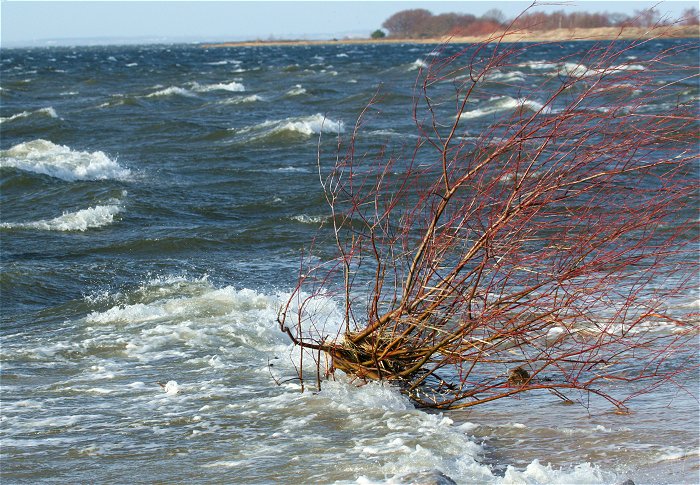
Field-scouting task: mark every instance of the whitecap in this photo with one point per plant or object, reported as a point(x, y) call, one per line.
point(171, 388)
point(538, 65)
point(417, 64)
point(572, 69)
point(537, 473)
point(232, 86)
point(82, 220)
point(296, 91)
point(306, 219)
point(511, 76)
point(171, 91)
point(44, 157)
point(225, 62)
point(302, 125)
point(50, 112)
point(242, 99)
point(579, 70)
point(505, 103)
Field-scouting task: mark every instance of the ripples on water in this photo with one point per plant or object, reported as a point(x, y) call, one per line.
point(154, 203)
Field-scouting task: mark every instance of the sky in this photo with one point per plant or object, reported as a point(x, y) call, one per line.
point(32, 23)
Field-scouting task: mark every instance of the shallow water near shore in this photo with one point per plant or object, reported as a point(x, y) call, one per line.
point(155, 200)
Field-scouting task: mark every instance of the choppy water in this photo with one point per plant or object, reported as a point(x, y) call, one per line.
point(154, 203)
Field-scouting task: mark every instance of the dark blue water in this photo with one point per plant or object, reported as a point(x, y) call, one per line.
point(154, 202)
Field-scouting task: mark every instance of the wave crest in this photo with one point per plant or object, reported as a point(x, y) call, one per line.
point(505, 103)
point(304, 126)
point(47, 158)
point(50, 112)
point(82, 220)
point(171, 91)
point(233, 86)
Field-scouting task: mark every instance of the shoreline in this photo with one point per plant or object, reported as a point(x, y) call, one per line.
point(558, 35)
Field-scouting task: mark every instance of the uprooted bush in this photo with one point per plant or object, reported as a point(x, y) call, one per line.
point(544, 252)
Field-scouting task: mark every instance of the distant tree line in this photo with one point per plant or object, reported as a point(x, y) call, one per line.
point(421, 23)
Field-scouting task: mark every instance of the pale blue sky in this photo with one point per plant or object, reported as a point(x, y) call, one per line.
point(45, 22)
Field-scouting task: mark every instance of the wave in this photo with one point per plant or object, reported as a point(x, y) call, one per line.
point(171, 91)
point(296, 91)
point(137, 337)
point(511, 76)
point(224, 62)
point(418, 64)
point(505, 103)
point(43, 157)
point(210, 328)
point(538, 65)
point(306, 219)
point(296, 126)
point(242, 99)
point(572, 69)
point(232, 86)
point(50, 112)
point(82, 220)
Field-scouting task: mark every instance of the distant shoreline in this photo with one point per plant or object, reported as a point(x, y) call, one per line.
point(558, 35)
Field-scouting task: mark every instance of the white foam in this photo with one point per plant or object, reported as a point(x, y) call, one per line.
point(505, 77)
point(624, 67)
point(224, 62)
point(45, 157)
point(171, 91)
point(306, 219)
point(536, 473)
point(296, 91)
point(538, 65)
point(82, 220)
point(171, 388)
point(176, 321)
point(242, 99)
point(303, 125)
point(417, 64)
point(579, 70)
point(50, 112)
point(387, 439)
point(232, 86)
point(505, 103)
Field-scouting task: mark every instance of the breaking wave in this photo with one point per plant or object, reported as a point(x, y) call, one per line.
point(50, 112)
point(82, 220)
point(47, 158)
point(232, 86)
point(214, 329)
point(505, 103)
point(242, 99)
point(171, 91)
point(304, 126)
point(297, 90)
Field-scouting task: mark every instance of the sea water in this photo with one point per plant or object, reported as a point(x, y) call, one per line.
point(155, 202)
